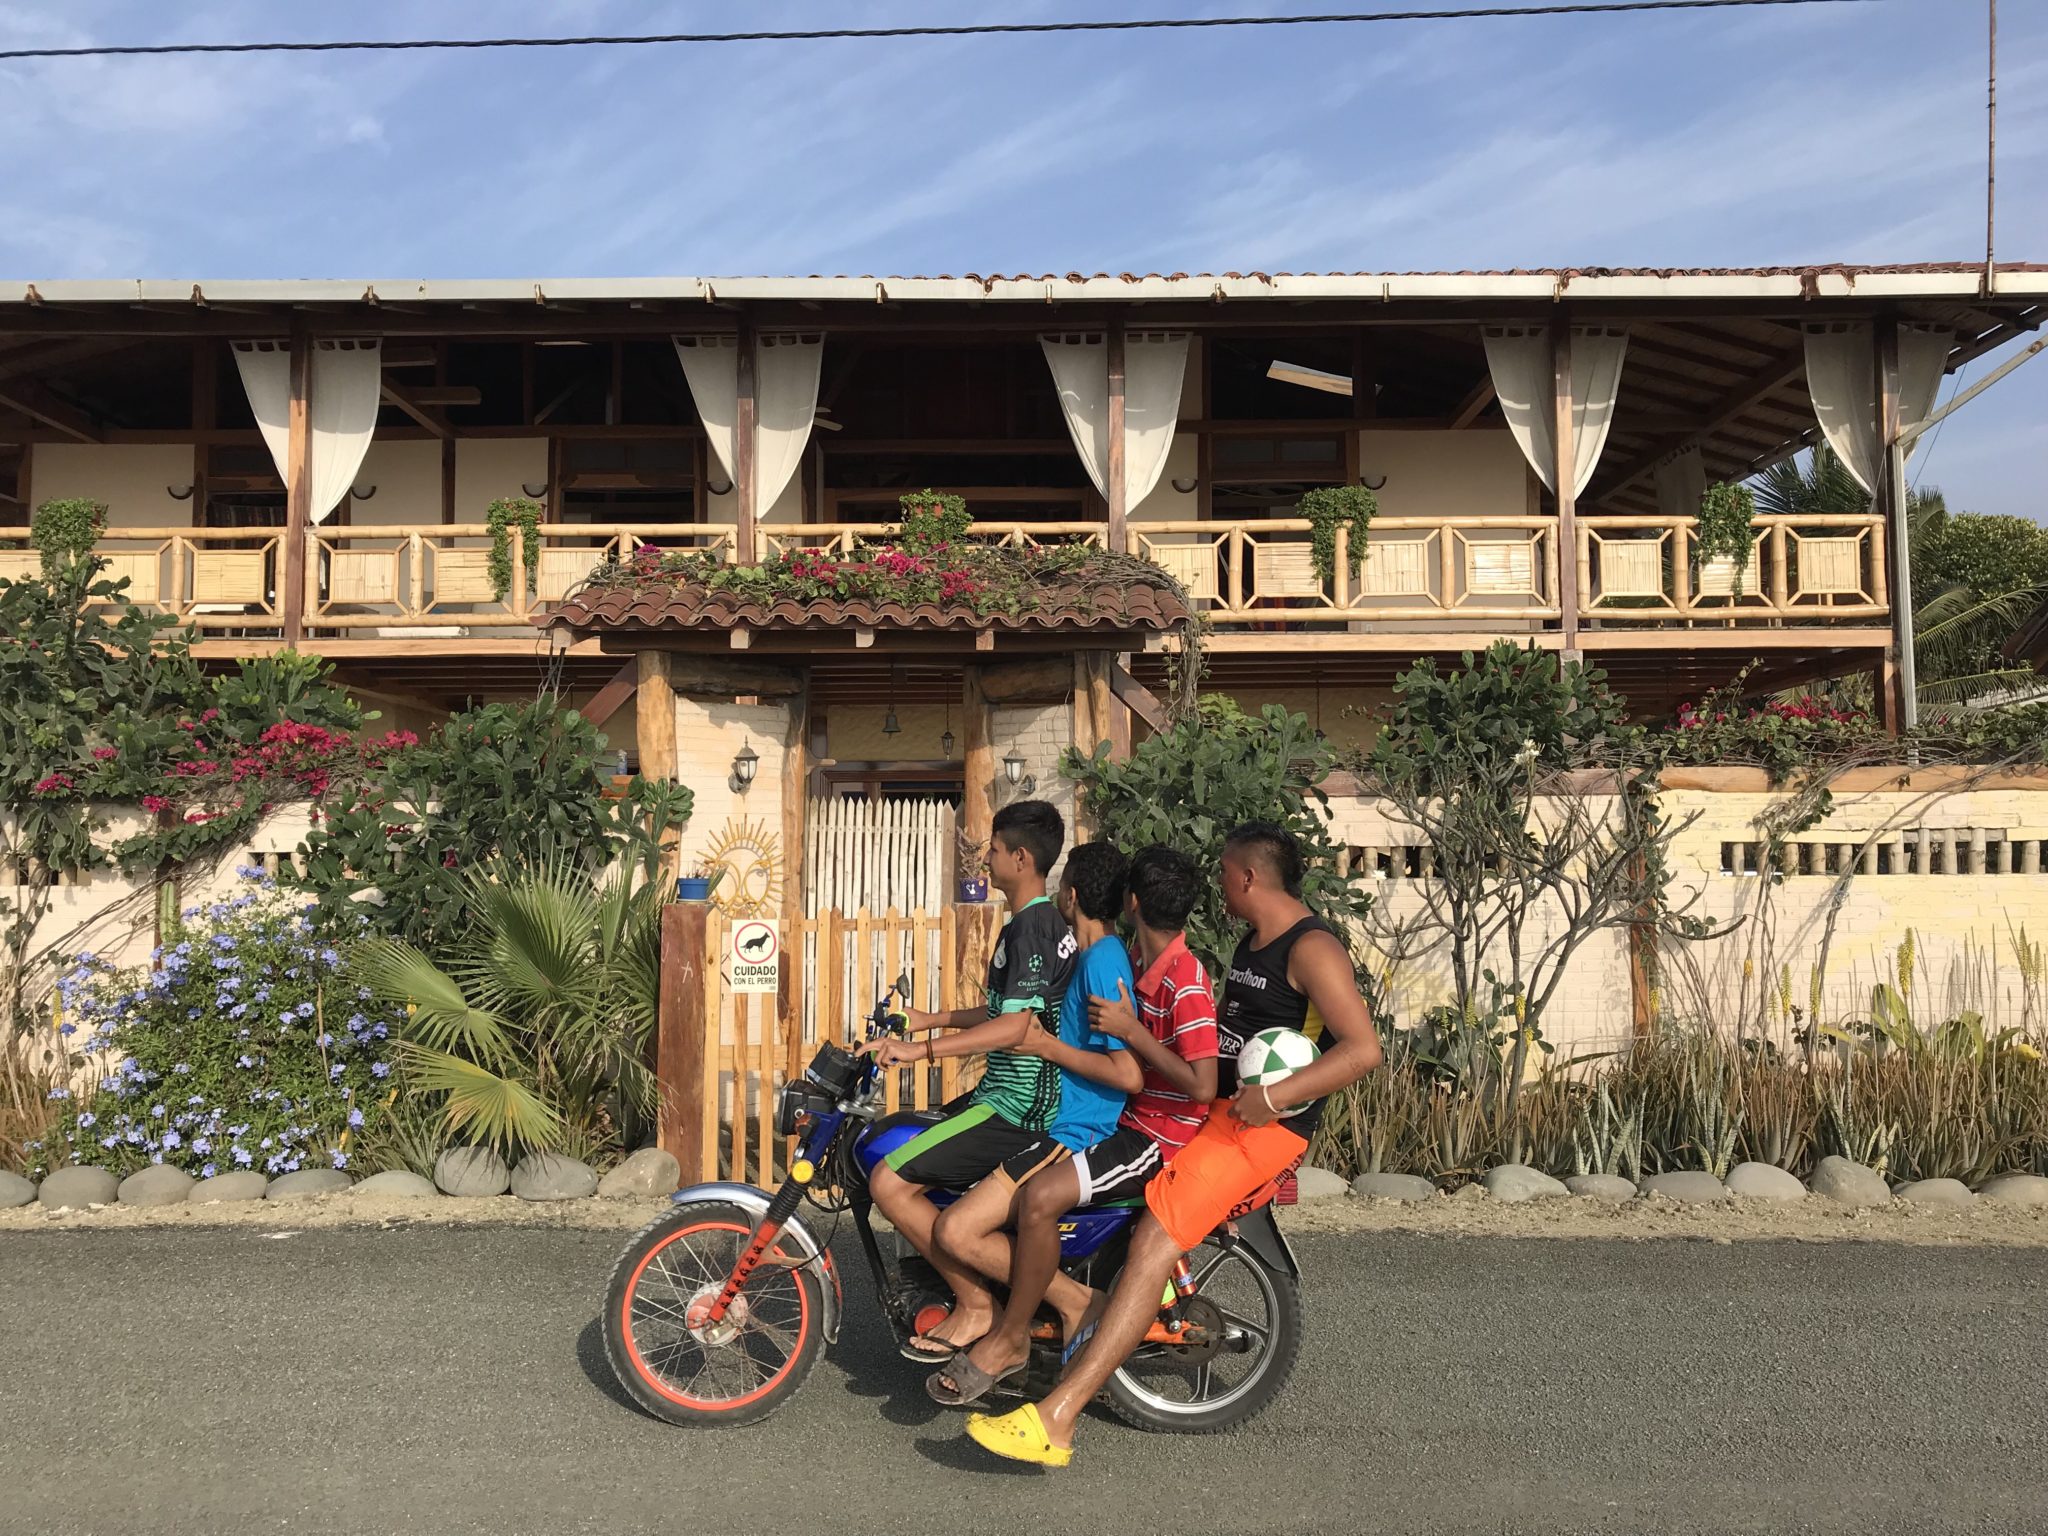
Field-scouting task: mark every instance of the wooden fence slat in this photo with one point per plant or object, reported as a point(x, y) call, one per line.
point(714, 1016)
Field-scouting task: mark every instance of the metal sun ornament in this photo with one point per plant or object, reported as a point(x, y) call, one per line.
point(751, 856)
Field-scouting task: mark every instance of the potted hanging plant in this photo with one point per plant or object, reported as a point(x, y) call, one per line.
point(1723, 542)
point(700, 882)
point(1351, 507)
point(499, 518)
point(971, 868)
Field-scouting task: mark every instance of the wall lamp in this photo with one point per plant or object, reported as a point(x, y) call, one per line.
point(1185, 484)
point(744, 764)
point(534, 492)
point(1013, 772)
point(711, 484)
point(178, 492)
point(1373, 485)
point(362, 492)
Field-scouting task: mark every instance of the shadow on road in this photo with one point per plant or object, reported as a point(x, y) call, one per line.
point(597, 1370)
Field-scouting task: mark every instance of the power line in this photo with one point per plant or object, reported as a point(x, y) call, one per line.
point(833, 34)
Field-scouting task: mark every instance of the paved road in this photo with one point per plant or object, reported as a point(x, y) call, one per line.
point(444, 1381)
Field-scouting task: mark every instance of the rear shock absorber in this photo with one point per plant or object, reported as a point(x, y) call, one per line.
point(1178, 1291)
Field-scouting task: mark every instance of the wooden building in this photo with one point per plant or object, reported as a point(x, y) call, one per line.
point(308, 463)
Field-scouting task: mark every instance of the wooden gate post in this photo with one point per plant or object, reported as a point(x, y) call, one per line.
point(974, 940)
point(682, 1074)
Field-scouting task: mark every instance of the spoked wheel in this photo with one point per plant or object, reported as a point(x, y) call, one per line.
point(1244, 1322)
point(676, 1361)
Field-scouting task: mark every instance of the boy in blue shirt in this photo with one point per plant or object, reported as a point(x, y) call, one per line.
point(1097, 1074)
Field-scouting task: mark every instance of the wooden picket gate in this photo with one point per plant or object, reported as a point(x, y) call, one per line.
point(721, 1055)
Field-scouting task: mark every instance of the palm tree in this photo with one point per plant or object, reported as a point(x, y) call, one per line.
point(534, 1034)
point(1956, 630)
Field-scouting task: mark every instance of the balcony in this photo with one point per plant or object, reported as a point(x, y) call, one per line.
point(1460, 574)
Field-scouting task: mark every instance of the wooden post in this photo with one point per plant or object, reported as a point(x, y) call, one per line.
point(447, 479)
point(791, 988)
point(744, 418)
point(1564, 469)
point(680, 1037)
point(1893, 498)
point(978, 761)
point(974, 940)
point(298, 484)
point(1087, 732)
point(654, 725)
point(1118, 539)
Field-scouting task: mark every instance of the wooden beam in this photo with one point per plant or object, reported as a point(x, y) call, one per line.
point(408, 400)
point(1140, 700)
point(447, 394)
point(448, 479)
point(654, 726)
point(38, 404)
point(42, 358)
point(1737, 401)
point(978, 760)
point(796, 777)
point(298, 487)
point(744, 418)
point(1565, 470)
point(625, 682)
point(1028, 682)
point(1473, 405)
point(1114, 472)
point(680, 1038)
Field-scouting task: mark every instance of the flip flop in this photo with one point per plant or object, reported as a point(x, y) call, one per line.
point(1018, 1436)
point(969, 1384)
point(938, 1352)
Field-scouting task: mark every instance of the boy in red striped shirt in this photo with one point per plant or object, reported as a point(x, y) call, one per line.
point(1172, 1031)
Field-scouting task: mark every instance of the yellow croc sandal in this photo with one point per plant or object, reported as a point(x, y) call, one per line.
point(1019, 1436)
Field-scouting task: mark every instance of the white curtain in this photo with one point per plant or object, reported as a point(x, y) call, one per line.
point(785, 409)
point(1519, 359)
point(1155, 364)
point(1681, 483)
point(786, 372)
point(1080, 375)
point(347, 388)
point(1841, 376)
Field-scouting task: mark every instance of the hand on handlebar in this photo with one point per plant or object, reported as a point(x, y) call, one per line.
point(895, 1053)
point(918, 1022)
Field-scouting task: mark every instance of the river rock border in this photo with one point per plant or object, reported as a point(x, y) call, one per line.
point(469, 1171)
point(1836, 1181)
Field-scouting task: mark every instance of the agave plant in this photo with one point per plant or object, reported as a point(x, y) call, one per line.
point(534, 1034)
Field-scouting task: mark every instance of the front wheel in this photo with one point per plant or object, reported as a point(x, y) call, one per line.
point(1249, 1319)
point(676, 1363)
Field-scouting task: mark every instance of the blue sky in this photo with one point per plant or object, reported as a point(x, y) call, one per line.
point(1849, 133)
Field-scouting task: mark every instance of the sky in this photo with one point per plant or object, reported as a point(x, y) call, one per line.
point(1826, 133)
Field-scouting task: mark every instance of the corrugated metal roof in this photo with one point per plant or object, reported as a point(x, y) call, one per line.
point(2017, 281)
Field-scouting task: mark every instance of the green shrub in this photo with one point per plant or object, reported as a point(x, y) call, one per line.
point(247, 1043)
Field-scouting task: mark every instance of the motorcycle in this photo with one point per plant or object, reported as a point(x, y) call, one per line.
point(717, 1312)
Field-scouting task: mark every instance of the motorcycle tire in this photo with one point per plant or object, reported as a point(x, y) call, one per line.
point(1135, 1391)
point(737, 1371)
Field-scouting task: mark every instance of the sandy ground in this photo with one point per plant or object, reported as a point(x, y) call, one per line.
point(1472, 1214)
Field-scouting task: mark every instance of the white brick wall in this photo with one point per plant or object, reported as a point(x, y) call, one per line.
point(709, 734)
point(1039, 733)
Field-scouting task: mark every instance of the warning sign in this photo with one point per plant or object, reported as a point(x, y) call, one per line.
point(753, 957)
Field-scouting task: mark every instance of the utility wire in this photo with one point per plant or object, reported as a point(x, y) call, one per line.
point(830, 34)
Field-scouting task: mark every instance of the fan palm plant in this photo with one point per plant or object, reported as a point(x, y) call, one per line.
point(534, 1035)
point(1957, 630)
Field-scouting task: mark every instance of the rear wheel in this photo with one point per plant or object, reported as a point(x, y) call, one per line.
point(671, 1357)
point(1247, 1322)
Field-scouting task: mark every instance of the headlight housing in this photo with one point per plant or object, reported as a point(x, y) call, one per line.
point(797, 1102)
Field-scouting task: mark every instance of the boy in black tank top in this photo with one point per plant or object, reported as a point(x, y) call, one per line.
point(1290, 969)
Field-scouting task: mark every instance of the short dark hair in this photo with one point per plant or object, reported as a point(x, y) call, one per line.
point(1096, 874)
point(1273, 848)
point(1036, 827)
point(1167, 884)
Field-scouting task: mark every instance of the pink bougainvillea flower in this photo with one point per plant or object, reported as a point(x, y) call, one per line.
point(54, 784)
point(104, 754)
point(156, 805)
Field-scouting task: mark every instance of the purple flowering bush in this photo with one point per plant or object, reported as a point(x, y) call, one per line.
point(247, 1043)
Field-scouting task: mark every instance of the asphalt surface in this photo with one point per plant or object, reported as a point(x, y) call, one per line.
point(440, 1380)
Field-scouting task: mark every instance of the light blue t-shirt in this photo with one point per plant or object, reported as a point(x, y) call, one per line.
point(1088, 1110)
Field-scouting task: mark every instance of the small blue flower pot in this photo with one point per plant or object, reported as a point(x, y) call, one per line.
point(689, 889)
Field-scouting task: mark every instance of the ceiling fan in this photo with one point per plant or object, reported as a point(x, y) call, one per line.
point(1312, 378)
point(822, 419)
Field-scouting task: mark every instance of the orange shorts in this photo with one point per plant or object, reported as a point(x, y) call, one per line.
point(1215, 1175)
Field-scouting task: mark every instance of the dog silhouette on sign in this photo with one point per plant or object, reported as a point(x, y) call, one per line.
point(757, 943)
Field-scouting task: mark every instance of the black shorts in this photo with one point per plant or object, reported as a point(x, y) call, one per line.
point(1118, 1167)
point(1043, 1153)
point(960, 1150)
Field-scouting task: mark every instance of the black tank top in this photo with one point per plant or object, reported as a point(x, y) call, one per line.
point(1258, 996)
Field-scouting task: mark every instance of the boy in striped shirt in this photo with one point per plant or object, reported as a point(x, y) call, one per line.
point(1171, 1028)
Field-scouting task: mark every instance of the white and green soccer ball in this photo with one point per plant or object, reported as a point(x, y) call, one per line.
point(1274, 1055)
